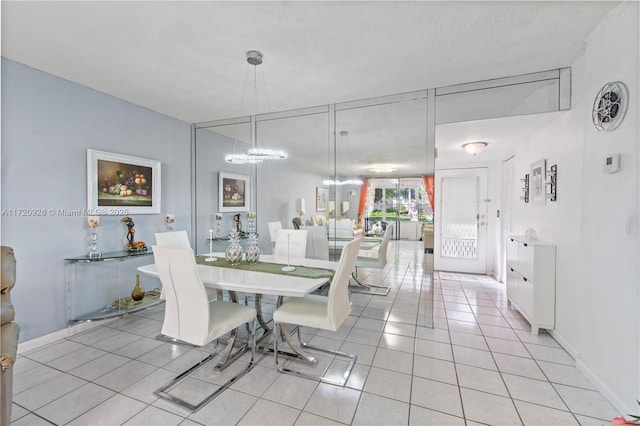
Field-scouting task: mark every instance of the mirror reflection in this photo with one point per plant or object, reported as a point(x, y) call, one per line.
point(353, 170)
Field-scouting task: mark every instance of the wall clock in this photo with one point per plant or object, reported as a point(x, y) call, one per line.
point(610, 106)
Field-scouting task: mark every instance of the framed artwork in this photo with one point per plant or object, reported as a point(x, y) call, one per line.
point(322, 198)
point(121, 184)
point(537, 183)
point(234, 192)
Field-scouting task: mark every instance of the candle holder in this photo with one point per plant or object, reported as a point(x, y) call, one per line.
point(210, 257)
point(218, 226)
point(93, 251)
point(251, 222)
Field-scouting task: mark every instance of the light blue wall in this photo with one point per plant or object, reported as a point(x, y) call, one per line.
point(47, 125)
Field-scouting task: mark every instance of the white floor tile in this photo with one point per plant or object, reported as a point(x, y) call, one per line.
point(533, 414)
point(376, 410)
point(489, 409)
point(269, 413)
point(474, 357)
point(481, 379)
point(393, 360)
point(518, 365)
point(154, 416)
point(586, 402)
point(114, 411)
point(389, 384)
point(50, 390)
point(435, 369)
point(420, 416)
point(336, 403)
point(308, 419)
point(565, 375)
point(73, 404)
point(535, 391)
point(436, 396)
point(226, 409)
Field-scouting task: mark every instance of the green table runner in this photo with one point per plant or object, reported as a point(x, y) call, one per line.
point(271, 268)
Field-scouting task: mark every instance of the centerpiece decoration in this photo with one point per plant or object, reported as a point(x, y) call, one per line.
point(233, 254)
point(132, 246)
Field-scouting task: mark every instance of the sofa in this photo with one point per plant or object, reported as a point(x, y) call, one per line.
point(9, 334)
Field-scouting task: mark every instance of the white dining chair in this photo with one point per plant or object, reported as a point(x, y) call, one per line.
point(178, 239)
point(373, 258)
point(323, 312)
point(274, 227)
point(191, 318)
point(291, 243)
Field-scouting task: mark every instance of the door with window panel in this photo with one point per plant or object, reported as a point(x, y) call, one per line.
point(461, 220)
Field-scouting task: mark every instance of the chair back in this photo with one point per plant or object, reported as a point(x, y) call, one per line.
point(317, 242)
point(339, 306)
point(274, 227)
point(291, 243)
point(178, 239)
point(186, 314)
point(382, 253)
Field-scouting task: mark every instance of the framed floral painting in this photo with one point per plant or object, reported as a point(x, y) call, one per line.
point(122, 184)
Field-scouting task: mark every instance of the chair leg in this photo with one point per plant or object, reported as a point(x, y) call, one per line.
point(163, 391)
point(366, 288)
point(339, 382)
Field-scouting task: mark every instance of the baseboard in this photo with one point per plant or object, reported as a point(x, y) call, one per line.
point(590, 375)
point(59, 335)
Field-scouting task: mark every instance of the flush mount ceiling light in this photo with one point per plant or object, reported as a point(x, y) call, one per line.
point(382, 169)
point(475, 147)
point(255, 155)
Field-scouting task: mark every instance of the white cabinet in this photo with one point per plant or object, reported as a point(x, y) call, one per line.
point(531, 280)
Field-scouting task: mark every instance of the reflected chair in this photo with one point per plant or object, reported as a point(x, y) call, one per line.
point(317, 242)
point(274, 227)
point(291, 243)
point(297, 222)
point(373, 258)
point(190, 317)
point(323, 312)
point(9, 333)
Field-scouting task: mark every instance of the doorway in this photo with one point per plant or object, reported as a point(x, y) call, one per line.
point(461, 220)
point(402, 202)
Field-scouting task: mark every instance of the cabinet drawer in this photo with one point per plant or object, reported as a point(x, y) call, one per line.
point(512, 284)
point(525, 296)
point(525, 261)
point(512, 253)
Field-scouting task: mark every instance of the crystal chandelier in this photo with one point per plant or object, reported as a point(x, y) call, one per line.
point(255, 155)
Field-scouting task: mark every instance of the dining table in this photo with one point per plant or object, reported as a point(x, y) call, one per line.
point(267, 277)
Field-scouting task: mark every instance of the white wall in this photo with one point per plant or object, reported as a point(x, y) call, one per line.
point(597, 276)
point(47, 125)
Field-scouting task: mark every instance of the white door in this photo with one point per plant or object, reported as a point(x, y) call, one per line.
point(460, 237)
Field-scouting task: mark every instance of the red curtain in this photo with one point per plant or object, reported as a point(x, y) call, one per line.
point(363, 201)
point(429, 184)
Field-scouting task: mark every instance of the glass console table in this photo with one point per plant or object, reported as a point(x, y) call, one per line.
point(103, 291)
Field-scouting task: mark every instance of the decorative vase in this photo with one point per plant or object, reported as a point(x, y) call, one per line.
point(253, 251)
point(138, 291)
point(234, 251)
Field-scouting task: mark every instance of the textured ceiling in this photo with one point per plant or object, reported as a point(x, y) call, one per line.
point(187, 59)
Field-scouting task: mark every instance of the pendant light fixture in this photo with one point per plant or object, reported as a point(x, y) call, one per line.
point(255, 155)
point(344, 136)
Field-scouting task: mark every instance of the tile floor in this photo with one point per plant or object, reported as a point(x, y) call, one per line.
point(478, 365)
